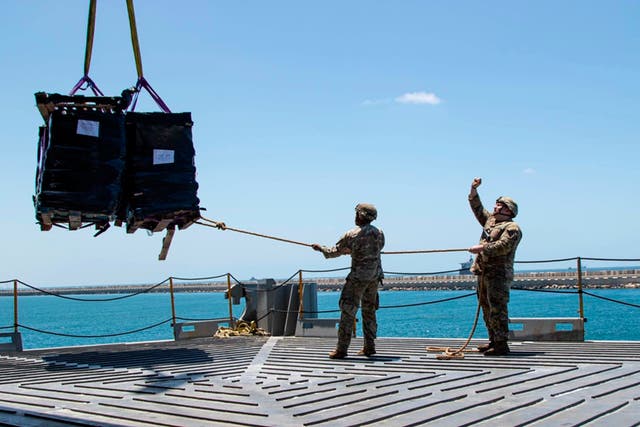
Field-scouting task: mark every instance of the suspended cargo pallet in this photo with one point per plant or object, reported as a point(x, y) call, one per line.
point(81, 160)
point(160, 185)
point(100, 163)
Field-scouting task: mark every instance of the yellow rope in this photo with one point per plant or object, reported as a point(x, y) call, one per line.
point(448, 353)
point(240, 329)
point(90, 31)
point(134, 37)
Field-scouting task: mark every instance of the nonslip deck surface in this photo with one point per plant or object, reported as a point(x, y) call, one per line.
point(276, 381)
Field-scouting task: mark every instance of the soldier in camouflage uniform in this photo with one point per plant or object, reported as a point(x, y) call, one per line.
point(494, 266)
point(363, 243)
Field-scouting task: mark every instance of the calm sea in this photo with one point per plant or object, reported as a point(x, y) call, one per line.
point(428, 317)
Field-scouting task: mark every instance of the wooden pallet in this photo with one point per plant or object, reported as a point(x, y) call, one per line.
point(72, 220)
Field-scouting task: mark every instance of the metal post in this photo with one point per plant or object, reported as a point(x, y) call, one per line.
point(15, 306)
point(229, 297)
point(300, 295)
point(581, 310)
point(173, 303)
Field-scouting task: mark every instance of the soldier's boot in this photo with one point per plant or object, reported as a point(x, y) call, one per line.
point(484, 347)
point(500, 348)
point(338, 354)
point(369, 349)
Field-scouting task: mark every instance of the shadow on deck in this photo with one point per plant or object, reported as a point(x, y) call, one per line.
point(290, 381)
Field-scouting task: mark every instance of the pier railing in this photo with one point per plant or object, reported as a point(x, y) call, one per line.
point(570, 281)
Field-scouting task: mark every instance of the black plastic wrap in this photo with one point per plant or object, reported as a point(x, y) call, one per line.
point(81, 161)
point(160, 186)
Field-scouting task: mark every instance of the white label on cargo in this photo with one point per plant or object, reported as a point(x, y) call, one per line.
point(89, 128)
point(162, 157)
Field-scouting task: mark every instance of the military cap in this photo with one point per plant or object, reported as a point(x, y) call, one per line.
point(367, 211)
point(510, 204)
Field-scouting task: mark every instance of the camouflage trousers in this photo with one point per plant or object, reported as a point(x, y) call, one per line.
point(493, 297)
point(353, 294)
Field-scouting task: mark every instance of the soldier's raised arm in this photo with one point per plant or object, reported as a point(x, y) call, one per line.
point(474, 187)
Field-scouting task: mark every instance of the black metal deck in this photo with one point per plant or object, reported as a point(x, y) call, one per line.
point(276, 381)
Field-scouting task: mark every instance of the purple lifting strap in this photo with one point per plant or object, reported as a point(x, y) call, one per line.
point(90, 84)
point(143, 83)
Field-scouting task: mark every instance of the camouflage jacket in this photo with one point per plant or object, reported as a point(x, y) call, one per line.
point(364, 245)
point(500, 239)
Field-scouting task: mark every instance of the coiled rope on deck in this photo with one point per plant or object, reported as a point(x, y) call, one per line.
point(240, 329)
point(448, 353)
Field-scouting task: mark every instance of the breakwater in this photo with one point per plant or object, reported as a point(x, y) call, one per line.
point(530, 280)
point(534, 280)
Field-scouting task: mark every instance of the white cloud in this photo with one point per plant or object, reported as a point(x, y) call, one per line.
point(418, 98)
point(529, 171)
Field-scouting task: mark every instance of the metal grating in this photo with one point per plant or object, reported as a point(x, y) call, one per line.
point(289, 381)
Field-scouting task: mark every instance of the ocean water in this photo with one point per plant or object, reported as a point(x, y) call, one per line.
point(49, 321)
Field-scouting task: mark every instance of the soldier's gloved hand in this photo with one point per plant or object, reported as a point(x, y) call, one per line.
point(316, 247)
point(476, 249)
point(221, 226)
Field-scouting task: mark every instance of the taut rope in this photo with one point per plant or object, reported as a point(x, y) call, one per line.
point(221, 226)
point(426, 251)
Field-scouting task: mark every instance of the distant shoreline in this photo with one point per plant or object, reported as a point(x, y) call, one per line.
point(625, 279)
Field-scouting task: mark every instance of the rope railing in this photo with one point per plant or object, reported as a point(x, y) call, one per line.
point(415, 304)
point(326, 271)
point(58, 295)
point(284, 282)
point(551, 291)
point(205, 319)
point(543, 261)
point(238, 282)
point(611, 299)
point(198, 279)
point(60, 334)
point(612, 259)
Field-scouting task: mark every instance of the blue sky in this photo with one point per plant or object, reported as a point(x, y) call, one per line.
point(304, 109)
